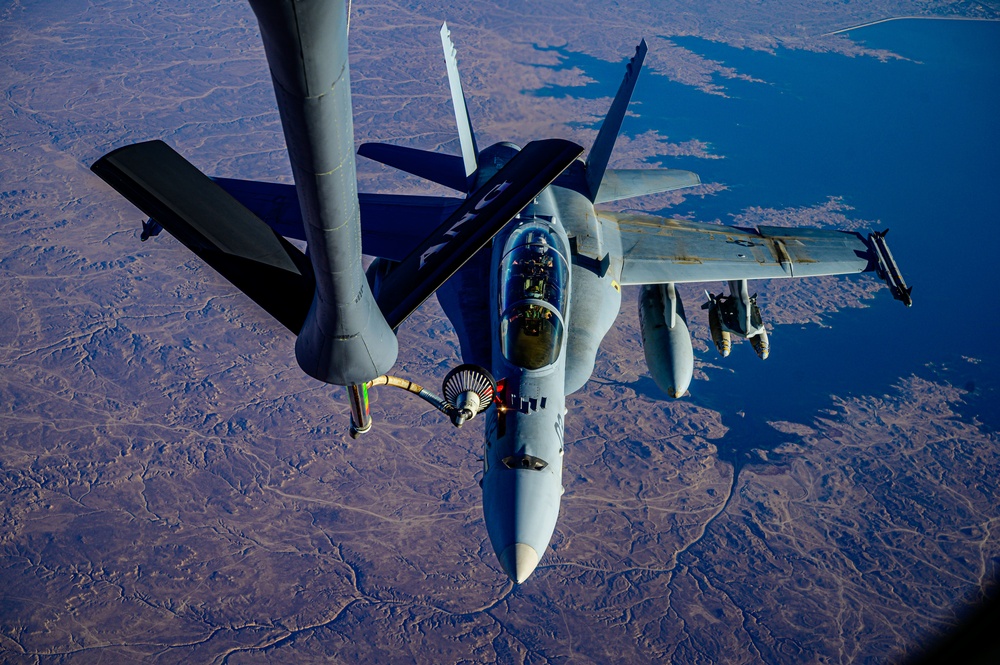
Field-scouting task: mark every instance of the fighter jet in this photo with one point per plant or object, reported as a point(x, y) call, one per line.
point(527, 270)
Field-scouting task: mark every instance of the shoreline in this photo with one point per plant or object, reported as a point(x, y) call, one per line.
point(907, 18)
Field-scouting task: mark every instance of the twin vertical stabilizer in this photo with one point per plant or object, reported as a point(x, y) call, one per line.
point(470, 154)
point(600, 153)
point(604, 184)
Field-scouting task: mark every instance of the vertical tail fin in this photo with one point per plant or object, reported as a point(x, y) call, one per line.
point(470, 154)
point(600, 153)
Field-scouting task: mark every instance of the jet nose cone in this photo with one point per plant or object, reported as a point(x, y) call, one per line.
point(518, 561)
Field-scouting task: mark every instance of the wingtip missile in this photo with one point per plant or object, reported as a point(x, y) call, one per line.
point(887, 269)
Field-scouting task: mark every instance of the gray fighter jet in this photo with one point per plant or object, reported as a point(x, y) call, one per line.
point(528, 272)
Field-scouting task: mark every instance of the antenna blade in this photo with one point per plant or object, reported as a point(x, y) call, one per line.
point(470, 153)
point(600, 153)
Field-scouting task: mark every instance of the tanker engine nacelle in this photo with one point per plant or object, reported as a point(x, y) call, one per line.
point(666, 341)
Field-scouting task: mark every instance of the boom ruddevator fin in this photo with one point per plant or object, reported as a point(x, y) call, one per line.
point(472, 225)
point(600, 152)
point(213, 225)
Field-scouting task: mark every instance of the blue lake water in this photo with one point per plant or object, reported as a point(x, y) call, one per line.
point(912, 143)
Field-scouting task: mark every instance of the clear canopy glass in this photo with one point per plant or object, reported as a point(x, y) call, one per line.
point(534, 276)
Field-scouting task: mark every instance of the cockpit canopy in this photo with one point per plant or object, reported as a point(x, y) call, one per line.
point(534, 281)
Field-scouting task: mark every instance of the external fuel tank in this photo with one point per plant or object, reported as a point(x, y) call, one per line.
point(666, 341)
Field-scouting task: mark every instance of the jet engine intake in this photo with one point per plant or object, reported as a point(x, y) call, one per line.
point(666, 341)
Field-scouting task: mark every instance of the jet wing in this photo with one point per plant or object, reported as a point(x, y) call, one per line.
point(391, 225)
point(274, 203)
point(656, 250)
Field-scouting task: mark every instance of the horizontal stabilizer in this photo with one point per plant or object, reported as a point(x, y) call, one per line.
point(472, 226)
point(626, 183)
point(213, 225)
point(447, 170)
point(392, 225)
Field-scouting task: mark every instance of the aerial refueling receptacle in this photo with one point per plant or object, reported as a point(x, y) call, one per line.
point(468, 391)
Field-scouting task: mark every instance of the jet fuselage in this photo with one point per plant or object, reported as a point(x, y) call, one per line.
point(536, 337)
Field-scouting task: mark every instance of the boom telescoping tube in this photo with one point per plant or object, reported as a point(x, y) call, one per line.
point(345, 340)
